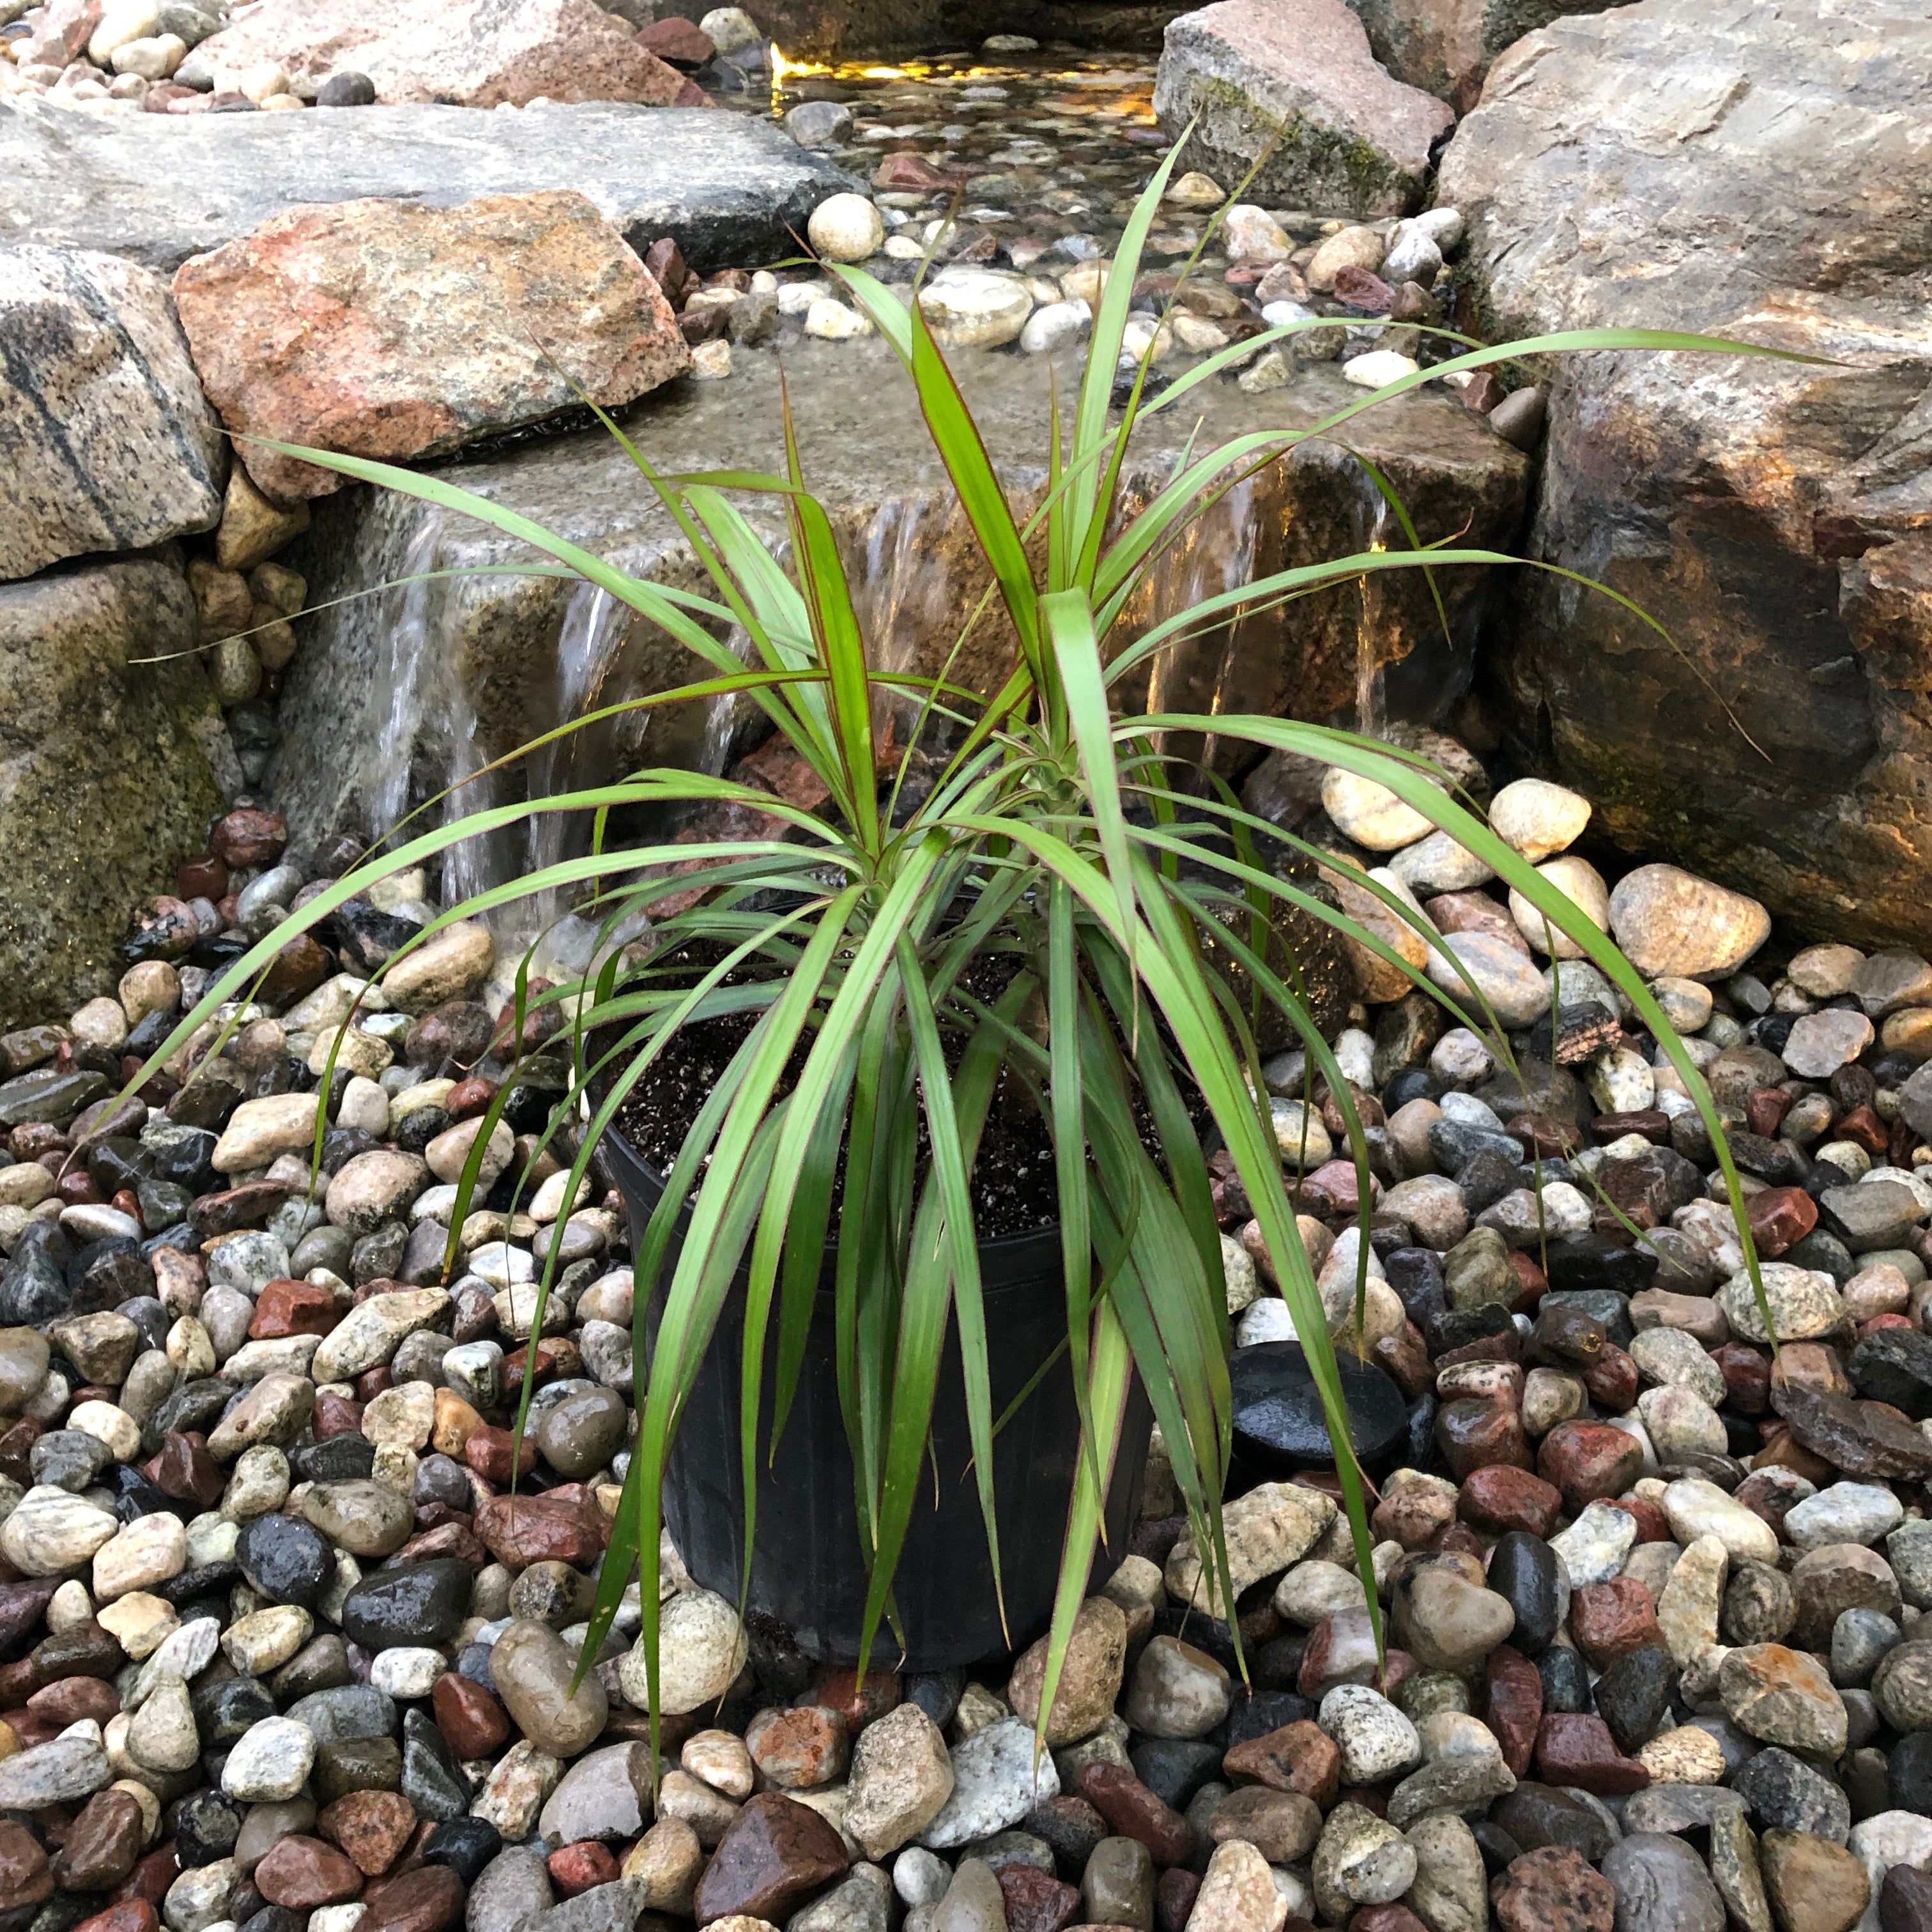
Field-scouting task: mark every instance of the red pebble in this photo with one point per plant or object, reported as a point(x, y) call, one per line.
point(1174, 1896)
point(1501, 1498)
point(469, 1098)
point(150, 1879)
point(1516, 1706)
point(285, 1308)
point(575, 1868)
point(1574, 1749)
point(838, 1689)
point(336, 1415)
point(132, 1915)
point(1780, 1218)
point(469, 1716)
point(1612, 1379)
point(1135, 1812)
point(1589, 1461)
point(1610, 1620)
point(1037, 1901)
point(1652, 1525)
point(492, 1452)
point(247, 837)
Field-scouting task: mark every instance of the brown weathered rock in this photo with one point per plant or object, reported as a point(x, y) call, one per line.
point(383, 329)
point(1253, 71)
point(109, 442)
point(1866, 1439)
point(474, 53)
point(1815, 1886)
point(773, 1855)
point(1767, 515)
point(102, 1844)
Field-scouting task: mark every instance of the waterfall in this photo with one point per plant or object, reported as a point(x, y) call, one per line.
point(1370, 721)
point(411, 664)
point(593, 628)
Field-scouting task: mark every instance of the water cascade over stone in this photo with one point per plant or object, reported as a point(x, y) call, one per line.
point(408, 689)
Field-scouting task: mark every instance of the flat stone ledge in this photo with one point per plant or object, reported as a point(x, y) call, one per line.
point(157, 188)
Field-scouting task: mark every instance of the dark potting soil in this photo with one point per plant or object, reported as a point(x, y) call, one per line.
point(1014, 1188)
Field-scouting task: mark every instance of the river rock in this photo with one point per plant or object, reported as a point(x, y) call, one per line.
point(399, 380)
point(995, 1783)
point(1089, 1675)
point(52, 1532)
point(1620, 123)
point(1300, 74)
point(531, 1668)
point(605, 1796)
point(975, 308)
point(1815, 1886)
point(370, 1333)
point(900, 1776)
point(1662, 1886)
point(701, 1649)
point(418, 50)
point(114, 447)
point(775, 1853)
point(1782, 1696)
point(271, 1760)
point(70, 1768)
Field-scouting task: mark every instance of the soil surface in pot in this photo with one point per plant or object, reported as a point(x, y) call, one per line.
point(1014, 1189)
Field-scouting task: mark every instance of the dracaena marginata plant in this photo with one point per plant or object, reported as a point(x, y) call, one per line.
point(1127, 899)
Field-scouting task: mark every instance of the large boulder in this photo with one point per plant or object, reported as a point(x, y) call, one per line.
point(468, 53)
point(1296, 78)
point(1445, 46)
point(396, 694)
point(106, 441)
point(732, 190)
point(104, 780)
point(1758, 171)
point(380, 329)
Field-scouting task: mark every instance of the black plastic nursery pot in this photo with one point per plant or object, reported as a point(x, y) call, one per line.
point(807, 1570)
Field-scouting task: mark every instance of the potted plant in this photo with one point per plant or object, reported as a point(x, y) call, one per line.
point(926, 1228)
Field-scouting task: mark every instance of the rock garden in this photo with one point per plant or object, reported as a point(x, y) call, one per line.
point(1349, 1345)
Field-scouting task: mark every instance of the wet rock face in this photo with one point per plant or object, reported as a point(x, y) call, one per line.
point(108, 778)
point(490, 656)
point(1758, 511)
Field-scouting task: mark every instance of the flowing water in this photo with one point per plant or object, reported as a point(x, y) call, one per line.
point(1043, 157)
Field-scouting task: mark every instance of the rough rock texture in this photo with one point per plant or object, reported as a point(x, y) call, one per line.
point(381, 330)
point(822, 28)
point(1445, 46)
point(1349, 135)
point(1754, 169)
point(103, 781)
point(471, 53)
point(106, 442)
point(158, 189)
point(485, 679)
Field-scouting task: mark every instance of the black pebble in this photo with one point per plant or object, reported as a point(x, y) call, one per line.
point(465, 1845)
